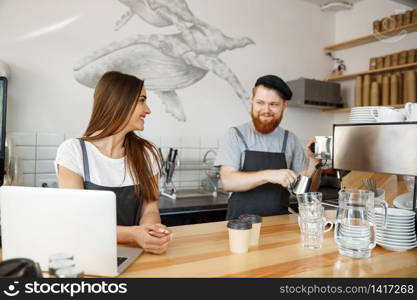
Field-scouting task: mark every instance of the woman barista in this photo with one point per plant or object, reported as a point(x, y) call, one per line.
point(110, 156)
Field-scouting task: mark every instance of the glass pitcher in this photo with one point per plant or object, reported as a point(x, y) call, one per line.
point(355, 225)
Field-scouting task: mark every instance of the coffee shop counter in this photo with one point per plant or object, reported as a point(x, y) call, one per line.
point(202, 250)
point(197, 203)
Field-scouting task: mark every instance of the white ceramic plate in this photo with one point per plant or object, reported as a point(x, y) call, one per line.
point(362, 232)
point(398, 225)
point(368, 107)
point(354, 229)
point(399, 238)
point(361, 117)
point(392, 211)
point(397, 228)
point(396, 243)
point(395, 248)
point(396, 218)
point(395, 223)
point(404, 201)
point(362, 114)
point(396, 231)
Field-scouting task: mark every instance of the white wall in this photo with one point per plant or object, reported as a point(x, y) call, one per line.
point(357, 22)
point(289, 36)
point(44, 97)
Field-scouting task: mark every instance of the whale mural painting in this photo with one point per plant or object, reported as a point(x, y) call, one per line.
point(167, 62)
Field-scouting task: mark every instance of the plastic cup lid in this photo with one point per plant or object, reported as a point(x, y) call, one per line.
point(254, 219)
point(71, 272)
point(59, 264)
point(239, 224)
point(60, 256)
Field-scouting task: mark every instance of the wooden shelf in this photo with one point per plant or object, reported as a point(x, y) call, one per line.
point(347, 109)
point(372, 38)
point(383, 70)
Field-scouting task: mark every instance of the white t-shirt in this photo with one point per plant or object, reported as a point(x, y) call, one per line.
point(104, 171)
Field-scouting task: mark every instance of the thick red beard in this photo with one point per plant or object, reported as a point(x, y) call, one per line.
point(265, 127)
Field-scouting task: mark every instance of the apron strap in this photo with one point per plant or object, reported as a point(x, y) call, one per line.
point(284, 145)
point(241, 137)
point(85, 162)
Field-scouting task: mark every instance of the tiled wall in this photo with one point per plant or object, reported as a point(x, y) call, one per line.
point(191, 150)
point(36, 152)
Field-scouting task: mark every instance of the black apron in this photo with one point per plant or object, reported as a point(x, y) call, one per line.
point(267, 199)
point(127, 204)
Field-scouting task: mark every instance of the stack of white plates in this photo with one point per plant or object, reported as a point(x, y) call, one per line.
point(352, 231)
point(362, 114)
point(400, 232)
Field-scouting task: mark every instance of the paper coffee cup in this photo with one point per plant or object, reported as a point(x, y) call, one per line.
point(239, 235)
point(256, 222)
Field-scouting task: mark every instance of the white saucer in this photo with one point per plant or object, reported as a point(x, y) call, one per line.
point(392, 224)
point(396, 218)
point(367, 107)
point(395, 223)
point(395, 231)
point(396, 212)
point(409, 243)
point(404, 201)
point(395, 248)
point(397, 239)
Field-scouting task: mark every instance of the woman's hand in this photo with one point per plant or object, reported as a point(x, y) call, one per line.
point(153, 238)
point(160, 230)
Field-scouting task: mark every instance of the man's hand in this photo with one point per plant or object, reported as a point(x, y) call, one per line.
point(312, 160)
point(284, 177)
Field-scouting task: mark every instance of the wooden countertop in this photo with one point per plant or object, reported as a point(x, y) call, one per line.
point(202, 250)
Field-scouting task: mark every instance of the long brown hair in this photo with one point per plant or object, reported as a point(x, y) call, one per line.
point(115, 98)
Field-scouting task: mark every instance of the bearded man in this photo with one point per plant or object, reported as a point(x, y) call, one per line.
point(260, 159)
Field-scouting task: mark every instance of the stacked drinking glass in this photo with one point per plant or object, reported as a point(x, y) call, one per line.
point(312, 220)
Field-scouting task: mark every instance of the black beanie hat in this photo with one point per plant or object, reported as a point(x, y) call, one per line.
point(276, 83)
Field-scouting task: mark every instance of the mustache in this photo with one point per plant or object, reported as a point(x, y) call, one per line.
point(265, 127)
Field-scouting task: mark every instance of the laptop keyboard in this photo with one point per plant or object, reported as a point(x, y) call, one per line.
point(120, 260)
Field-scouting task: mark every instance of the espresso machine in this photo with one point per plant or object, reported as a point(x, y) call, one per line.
point(377, 147)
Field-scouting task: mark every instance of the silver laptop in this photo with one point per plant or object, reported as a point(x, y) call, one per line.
point(38, 222)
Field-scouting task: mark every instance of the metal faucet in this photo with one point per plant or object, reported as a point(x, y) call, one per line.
point(206, 154)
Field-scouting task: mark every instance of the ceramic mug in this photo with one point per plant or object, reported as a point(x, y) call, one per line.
point(411, 111)
point(385, 114)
